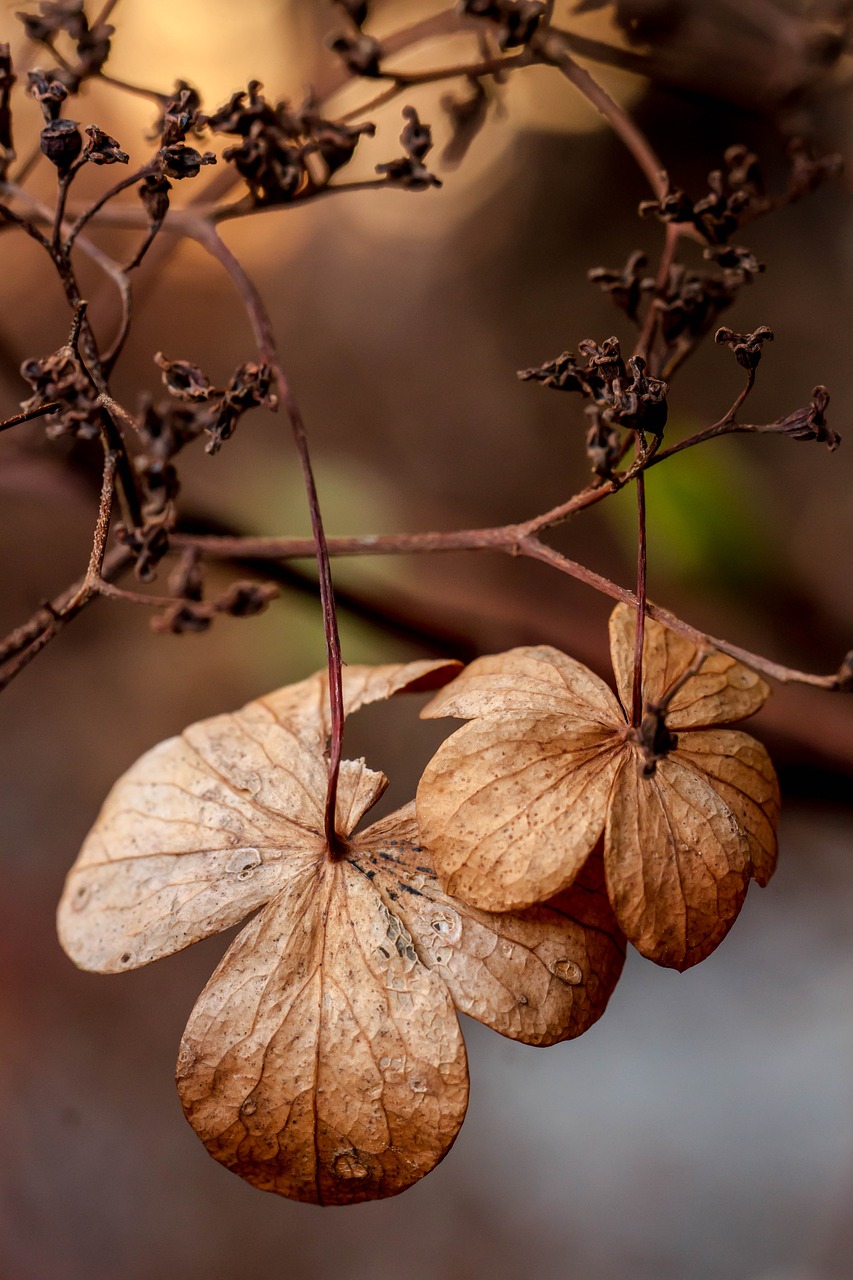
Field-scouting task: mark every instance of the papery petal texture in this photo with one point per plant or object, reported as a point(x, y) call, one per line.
point(677, 864)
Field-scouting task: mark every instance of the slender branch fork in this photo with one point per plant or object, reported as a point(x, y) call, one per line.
point(550, 47)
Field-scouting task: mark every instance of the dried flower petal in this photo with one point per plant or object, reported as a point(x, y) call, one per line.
point(323, 1060)
point(512, 805)
point(677, 863)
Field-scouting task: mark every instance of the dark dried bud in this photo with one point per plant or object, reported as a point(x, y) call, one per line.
point(810, 423)
point(674, 206)
point(149, 545)
point(734, 258)
point(562, 374)
point(744, 169)
point(625, 286)
point(59, 15)
point(49, 93)
point(102, 149)
point(245, 599)
point(603, 444)
point(180, 115)
point(409, 173)
point(180, 161)
point(160, 482)
point(154, 194)
point(59, 377)
point(249, 388)
point(183, 617)
point(605, 361)
point(361, 54)
point(808, 172)
point(517, 19)
point(642, 403)
point(747, 347)
point(336, 143)
point(416, 138)
point(185, 381)
point(61, 143)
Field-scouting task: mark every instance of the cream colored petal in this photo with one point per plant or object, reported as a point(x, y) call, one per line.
point(742, 774)
point(358, 789)
point(677, 865)
point(510, 810)
point(323, 1061)
point(266, 763)
point(527, 681)
point(177, 853)
point(722, 689)
point(304, 708)
point(539, 976)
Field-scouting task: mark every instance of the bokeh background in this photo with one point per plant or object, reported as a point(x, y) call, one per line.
point(705, 1127)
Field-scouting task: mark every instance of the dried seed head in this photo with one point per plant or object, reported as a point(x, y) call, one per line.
point(102, 149)
point(810, 423)
point(361, 53)
point(48, 92)
point(185, 380)
point(747, 347)
point(154, 194)
point(180, 161)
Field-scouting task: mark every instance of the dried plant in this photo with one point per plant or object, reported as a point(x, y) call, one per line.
point(323, 1060)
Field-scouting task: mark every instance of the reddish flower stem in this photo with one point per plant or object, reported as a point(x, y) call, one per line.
point(265, 339)
point(637, 690)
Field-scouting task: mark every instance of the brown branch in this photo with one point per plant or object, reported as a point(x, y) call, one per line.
point(30, 414)
point(551, 48)
point(27, 641)
point(765, 666)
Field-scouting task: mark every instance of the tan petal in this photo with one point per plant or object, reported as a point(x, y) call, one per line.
point(539, 976)
point(304, 707)
point(677, 865)
point(280, 773)
point(741, 772)
point(536, 680)
point(323, 1061)
point(721, 690)
point(177, 853)
point(510, 810)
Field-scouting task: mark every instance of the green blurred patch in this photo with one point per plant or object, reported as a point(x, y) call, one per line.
point(704, 522)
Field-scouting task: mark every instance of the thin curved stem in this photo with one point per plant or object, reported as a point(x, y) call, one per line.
point(637, 688)
point(267, 351)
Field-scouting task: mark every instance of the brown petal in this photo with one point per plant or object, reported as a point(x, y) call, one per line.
point(527, 681)
point(510, 810)
point(721, 690)
point(177, 853)
point(740, 771)
point(322, 1060)
point(677, 865)
point(539, 976)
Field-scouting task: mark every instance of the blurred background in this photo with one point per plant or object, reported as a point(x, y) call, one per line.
point(705, 1127)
